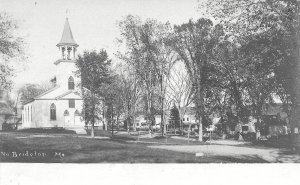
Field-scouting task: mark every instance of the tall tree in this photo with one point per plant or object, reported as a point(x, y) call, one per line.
point(179, 90)
point(113, 95)
point(11, 48)
point(130, 94)
point(94, 71)
point(193, 42)
point(279, 22)
point(150, 58)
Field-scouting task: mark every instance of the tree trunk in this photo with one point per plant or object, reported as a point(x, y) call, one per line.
point(93, 118)
point(92, 131)
point(200, 130)
point(112, 121)
point(199, 107)
point(118, 121)
point(162, 105)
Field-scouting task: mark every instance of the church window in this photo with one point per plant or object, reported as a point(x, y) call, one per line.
point(52, 112)
point(77, 113)
point(71, 103)
point(71, 83)
point(66, 113)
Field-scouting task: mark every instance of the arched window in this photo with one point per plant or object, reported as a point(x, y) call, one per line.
point(52, 112)
point(77, 113)
point(71, 83)
point(66, 113)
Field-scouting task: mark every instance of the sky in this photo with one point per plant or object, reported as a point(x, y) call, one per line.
point(93, 23)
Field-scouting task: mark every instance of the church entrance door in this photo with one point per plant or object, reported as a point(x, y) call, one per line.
point(72, 121)
point(67, 118)
point(67, 121)
point(77, 120)
point(76, 117)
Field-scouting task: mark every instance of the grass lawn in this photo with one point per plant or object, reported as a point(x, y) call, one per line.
point(72, 148)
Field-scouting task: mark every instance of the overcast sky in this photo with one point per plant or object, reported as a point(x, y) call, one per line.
point(93, 23)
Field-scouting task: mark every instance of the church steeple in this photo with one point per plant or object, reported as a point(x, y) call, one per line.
point(67, 43)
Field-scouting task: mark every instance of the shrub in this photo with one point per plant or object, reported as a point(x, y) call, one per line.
point(250, 136)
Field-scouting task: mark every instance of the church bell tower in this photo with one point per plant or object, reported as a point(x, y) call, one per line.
point(66, 63)
point(67, 44)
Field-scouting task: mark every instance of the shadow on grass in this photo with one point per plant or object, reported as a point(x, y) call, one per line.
point(55, 130)
point(73, 149)
point(242, 159)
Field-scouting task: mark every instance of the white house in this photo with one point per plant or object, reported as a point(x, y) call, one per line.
point(140, 121)
point(60, 106)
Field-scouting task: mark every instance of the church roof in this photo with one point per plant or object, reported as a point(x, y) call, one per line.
point(46, 92)
point(64, 95)
point(67, 36)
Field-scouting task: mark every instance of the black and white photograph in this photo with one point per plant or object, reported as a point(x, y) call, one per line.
point(147, 82)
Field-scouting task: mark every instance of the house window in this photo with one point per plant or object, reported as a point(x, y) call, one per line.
point(183, 119)
point(52, 112)
point(187, 119)
point(66, 113)
point(71, 83)
point(71, 103)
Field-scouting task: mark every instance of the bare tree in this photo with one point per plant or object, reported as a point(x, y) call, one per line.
point(150, 57)
point(179, 89)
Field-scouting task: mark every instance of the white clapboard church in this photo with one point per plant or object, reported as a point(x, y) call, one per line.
point(60, 106)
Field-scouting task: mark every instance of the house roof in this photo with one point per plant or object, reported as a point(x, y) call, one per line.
point(190, 110)
point(67, 36)
point(273, 109)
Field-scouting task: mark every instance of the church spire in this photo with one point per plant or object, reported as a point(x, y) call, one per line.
point(67, 43)
point(67, 36)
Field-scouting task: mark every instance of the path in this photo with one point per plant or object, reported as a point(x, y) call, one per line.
point(235, 150)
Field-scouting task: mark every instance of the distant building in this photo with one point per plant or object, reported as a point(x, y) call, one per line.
point(60, 106)
point(142, 122)
point(189, 117)
point(275, 119)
